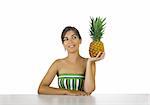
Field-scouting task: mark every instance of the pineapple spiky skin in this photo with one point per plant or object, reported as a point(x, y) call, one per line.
point(95, 48)
point(96, 33)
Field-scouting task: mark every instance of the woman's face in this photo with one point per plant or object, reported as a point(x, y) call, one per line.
point(71, 42)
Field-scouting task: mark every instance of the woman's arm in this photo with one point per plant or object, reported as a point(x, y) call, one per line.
point(89, 83)
point(47, 80)
point(45, 88)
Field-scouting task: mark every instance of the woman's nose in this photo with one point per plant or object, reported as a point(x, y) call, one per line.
point(70, 40)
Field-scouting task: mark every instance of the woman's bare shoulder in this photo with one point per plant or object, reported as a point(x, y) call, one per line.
point(85, 59)
point(59, 62)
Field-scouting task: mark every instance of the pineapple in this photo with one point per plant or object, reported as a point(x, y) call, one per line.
point(97, 26)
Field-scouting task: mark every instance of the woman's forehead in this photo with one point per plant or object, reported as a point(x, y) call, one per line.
point(70, 33)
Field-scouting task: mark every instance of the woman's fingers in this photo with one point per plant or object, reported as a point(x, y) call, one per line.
point(83, 93)
point(78, 93)
point(103, 54)
point(99, 57)
point(98, 54)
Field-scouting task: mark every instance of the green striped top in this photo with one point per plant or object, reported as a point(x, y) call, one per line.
point(71, 81)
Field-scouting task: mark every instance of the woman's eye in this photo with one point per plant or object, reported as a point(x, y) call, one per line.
point(65, 39)
point(74, 37)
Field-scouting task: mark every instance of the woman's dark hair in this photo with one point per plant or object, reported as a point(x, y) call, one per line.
point(69, 28)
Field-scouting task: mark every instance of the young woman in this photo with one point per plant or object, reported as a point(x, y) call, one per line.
point(76, 75)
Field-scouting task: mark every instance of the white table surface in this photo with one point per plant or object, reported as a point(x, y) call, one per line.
point(99, 99)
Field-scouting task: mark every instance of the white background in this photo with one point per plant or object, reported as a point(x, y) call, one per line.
point(30, 41)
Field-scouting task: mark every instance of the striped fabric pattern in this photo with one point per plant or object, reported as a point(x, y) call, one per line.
point(71, 81)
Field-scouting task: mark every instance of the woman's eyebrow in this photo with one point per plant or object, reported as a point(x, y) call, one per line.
point(73, 35)
point(65, 37)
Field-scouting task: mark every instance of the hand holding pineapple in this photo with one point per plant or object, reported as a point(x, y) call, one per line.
point(99, 56)
point(96, 32)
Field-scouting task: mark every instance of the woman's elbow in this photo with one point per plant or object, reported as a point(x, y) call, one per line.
point(40, 90)
point(89, 90)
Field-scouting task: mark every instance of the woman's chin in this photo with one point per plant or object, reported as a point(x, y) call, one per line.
point(72, 51)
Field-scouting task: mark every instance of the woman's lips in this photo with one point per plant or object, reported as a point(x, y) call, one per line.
point(71, 46)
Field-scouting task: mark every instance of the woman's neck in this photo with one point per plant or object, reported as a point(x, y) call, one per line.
point(73, 57)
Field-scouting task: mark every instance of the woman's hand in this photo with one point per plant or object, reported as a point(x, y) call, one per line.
point(76, 93)
point(99, 56)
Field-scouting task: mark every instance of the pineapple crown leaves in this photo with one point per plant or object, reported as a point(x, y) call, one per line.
point(97, 27)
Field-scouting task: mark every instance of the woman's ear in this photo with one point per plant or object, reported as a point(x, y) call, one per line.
point(80, 41)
